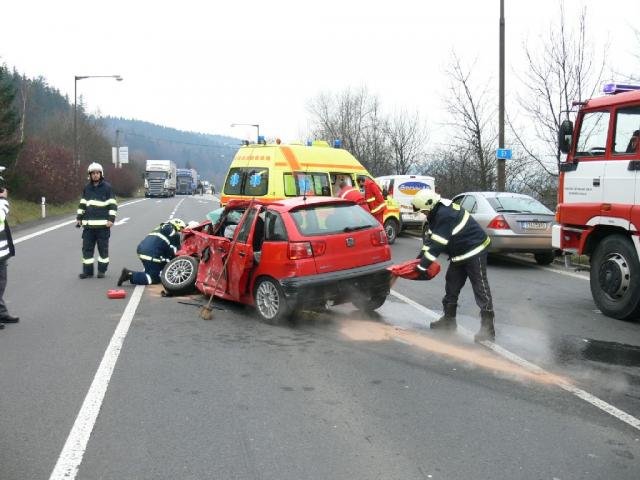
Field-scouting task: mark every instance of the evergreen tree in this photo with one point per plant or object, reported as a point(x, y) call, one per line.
point(9, 121)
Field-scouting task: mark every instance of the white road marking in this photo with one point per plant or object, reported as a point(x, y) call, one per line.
point(121, 222)
point(176, 209)
point(64, 224)
point(532, 367)
point(71, 456)
point(549, 269)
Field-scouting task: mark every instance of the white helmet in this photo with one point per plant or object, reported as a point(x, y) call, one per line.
point(95, 167)
point(425, 200)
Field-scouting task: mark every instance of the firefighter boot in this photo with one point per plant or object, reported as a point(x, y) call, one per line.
point(448, 320)
point(124, 276)
point(487, 330)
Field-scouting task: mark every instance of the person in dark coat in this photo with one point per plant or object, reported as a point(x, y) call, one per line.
point(6, 251)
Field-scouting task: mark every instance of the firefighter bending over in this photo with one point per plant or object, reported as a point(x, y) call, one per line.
point(154, 252)
point(454, 231)
point(373, 197)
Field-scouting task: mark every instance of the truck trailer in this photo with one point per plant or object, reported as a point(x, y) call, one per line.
point(186, 183)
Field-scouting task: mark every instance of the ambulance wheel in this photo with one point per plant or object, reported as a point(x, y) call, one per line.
point(270, 301)
point(369, 304)
point(179, 275)
point(391, 227)
point(615, 278)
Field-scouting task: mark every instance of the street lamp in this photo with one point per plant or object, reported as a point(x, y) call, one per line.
point(248, 125)
point(118, 78)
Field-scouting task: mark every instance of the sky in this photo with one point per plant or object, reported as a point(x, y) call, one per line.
point(203, 65)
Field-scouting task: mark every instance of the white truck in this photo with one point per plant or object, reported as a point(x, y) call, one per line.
point(160, 178)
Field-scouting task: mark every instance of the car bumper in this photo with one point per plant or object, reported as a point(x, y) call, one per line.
point(370, 280)
point(520, 243)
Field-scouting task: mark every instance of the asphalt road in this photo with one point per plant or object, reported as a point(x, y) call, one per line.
point(333, 395)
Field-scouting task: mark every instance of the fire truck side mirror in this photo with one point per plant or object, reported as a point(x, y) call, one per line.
point(564, 136)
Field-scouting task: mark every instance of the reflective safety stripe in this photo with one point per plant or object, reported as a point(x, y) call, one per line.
point(95, 222)
point(372, 199)
point(112, 212)
point(80, 211)
point(455, 206)
point(149, 281)
point(439, 239)
point(82, 200)
point(473, 252)
point(461, 225)
point(4, 251)
point(98, 203)
point(159, 235)
point(425, 251)
point(87, 261)
point(103, 260)
point(151, 259)
point(378, 208)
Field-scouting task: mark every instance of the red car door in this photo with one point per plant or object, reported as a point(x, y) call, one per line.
point(241, 262)
point(210, 272)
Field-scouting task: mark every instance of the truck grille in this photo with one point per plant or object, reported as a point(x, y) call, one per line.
point(156, 186)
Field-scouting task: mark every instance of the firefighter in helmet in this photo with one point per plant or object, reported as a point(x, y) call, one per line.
point(452, 230)
point(96, 214)
point(154, 252)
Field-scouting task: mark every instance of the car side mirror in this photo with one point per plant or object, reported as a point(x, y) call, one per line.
point(565, 134)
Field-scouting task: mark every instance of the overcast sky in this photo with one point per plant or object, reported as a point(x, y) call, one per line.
point(202, 65)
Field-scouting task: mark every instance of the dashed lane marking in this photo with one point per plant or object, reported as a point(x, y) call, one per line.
point(71, 456)
point(532, 367)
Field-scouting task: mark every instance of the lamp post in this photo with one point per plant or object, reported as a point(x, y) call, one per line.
point(118, 78)
point(249, 125)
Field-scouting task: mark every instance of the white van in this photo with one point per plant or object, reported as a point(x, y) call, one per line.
point(402, 188)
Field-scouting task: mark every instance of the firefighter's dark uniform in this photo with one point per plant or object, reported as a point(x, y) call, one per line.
point(97, 207)
point(454, 231)
point(154, 252)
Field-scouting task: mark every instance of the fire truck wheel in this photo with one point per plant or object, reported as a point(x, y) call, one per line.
point(615, 278)
point(179, 275)
point(391, 227)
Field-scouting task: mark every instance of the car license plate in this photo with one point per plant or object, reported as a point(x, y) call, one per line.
point(534, 225)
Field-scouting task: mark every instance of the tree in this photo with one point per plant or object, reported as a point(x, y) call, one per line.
point(9, 122)
point(406, 138)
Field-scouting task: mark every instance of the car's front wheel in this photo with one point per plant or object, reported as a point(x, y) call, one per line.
point(270, 301)
point(179, 275)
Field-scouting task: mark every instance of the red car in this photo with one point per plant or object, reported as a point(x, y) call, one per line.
point(281, 257)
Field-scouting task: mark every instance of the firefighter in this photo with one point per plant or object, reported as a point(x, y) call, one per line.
point(154, 252)
point(96, 213)
point(373, 197)
point(452, 230)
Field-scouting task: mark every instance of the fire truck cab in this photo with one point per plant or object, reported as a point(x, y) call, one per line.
point(598, 210)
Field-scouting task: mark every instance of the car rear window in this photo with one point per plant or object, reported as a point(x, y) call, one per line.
point(331, 219)
point(508, 204)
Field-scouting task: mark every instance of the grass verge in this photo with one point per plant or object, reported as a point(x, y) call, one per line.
point(22, 211)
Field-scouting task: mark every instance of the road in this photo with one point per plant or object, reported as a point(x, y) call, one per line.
point(333, 395)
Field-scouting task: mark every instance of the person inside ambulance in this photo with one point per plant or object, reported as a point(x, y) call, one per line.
point(632, 147)
point(453, 231)
point(373, 197)
point(155, 251)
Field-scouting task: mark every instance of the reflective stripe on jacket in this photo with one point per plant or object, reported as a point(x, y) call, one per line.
point(373, 197)
point(6, 242)
point(97, 206)
point(160, 245)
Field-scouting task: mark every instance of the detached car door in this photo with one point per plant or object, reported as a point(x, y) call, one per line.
point(251, 232)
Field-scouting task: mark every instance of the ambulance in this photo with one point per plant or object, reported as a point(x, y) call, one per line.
point(274, 171)
point(402, 188)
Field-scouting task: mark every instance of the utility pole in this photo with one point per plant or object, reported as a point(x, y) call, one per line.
point(501, 164)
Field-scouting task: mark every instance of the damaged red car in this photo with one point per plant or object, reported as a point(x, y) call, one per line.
point(300, 253)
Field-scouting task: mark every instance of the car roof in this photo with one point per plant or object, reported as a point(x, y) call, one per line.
point(495, 194)
point(292, 203)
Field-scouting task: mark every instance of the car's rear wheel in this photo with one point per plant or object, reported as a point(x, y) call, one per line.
point(369, 304)
point(615, 278)
point(391, 228)
point(270, 301)
point(179, 275)
point(545, 258)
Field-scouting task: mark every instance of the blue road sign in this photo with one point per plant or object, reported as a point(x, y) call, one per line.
point(503, 153)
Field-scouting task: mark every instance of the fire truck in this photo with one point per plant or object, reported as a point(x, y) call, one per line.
point(598, 210)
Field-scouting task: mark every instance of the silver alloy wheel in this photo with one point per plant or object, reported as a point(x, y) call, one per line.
point(179, 271)
point(268, 299)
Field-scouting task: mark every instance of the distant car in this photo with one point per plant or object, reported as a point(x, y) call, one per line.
point(514, 222)
point(286, 255)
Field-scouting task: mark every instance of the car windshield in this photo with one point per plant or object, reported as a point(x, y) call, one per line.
point(508, 204)
point(233, 216)
point(330, 219)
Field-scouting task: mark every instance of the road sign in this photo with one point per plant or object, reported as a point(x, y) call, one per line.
point(124, 155)
point(503, 153)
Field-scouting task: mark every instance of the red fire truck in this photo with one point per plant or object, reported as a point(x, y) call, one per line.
point(599, 196)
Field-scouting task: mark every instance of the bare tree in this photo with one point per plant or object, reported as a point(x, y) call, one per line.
point(472, 124)
point(562, 71)
point(406, 137)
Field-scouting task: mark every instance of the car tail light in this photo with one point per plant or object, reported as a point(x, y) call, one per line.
point(299, 250)
point(318, 248)
point(498, 223)
point(379, 237)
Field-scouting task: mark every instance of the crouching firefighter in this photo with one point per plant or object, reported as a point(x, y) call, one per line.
point(452, 230)
point(154, 252)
